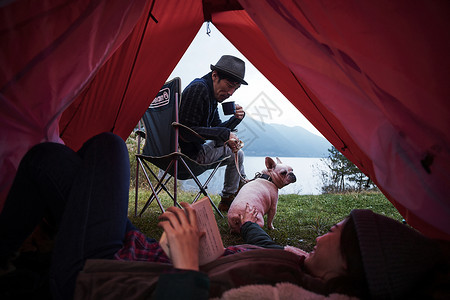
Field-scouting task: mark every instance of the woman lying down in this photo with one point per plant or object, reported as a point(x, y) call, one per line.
point(85, 194)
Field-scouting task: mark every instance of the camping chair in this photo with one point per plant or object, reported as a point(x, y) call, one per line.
point(162, 131)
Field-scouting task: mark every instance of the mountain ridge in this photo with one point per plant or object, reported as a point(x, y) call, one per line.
point(264, 139)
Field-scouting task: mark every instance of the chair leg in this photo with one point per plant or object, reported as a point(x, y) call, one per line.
point(205, 185)
point(205, 188)
point(213, 205)
point(202, 187)
point(159, 187)
point(136, 188)
point(163, 186)
point(154, 193)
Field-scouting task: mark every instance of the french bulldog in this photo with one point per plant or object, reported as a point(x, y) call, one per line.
point(261, 193)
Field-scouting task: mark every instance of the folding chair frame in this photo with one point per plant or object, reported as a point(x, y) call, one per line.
point(160, 185)
point(176, 157)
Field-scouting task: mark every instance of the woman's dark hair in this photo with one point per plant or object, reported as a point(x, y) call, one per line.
point(354, 283)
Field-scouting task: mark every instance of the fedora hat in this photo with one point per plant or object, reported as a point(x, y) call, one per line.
point(233, 66)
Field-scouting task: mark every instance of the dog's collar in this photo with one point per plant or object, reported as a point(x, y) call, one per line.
point(264, 176)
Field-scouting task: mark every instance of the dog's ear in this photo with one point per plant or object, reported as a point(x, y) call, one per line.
point(270, 163)
point(279, 161)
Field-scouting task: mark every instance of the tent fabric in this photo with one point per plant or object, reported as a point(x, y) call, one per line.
point(49, 51)
point(369, 76)
point(125, 86)
point(380, 67)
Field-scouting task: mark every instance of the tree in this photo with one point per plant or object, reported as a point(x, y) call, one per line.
point(342, 175)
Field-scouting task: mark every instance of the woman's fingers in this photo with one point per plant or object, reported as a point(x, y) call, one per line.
point(177, 220)
point(250, 214)
point(176, 216)
point(255, 212)
point(180, 226)
point(190, 213)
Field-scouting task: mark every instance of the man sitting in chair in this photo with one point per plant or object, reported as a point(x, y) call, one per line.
point(199, 111)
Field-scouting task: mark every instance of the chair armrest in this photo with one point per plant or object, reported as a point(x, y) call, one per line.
point(188, 134)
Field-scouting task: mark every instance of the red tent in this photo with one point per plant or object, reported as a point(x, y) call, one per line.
point(369, 75)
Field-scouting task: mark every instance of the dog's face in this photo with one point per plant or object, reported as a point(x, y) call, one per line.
point(281, 174)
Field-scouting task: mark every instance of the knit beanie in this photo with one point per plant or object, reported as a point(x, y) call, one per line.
point(395, 257)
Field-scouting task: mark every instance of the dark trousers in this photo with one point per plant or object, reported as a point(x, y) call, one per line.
point(84, 193)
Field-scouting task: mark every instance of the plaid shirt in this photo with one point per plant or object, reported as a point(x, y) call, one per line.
point(198, 110)
point(138, 247)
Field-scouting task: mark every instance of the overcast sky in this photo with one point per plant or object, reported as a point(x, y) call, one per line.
point(260, 99)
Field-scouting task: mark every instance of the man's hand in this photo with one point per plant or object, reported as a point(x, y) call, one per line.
point(233, 136)
point(183, 236)
point(239, 112)
point(233, 142)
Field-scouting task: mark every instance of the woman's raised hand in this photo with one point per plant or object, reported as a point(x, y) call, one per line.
point(183, 236)
point(250, 214)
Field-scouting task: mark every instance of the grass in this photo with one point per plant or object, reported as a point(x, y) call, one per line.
point(299, 221)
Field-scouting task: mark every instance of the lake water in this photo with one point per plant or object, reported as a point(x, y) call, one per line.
point(306, 170)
